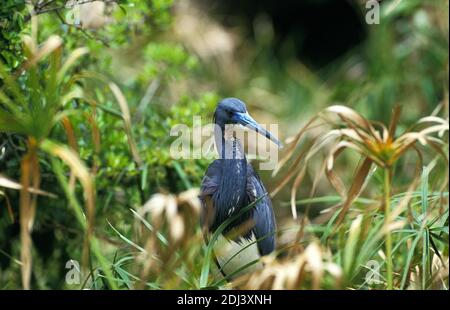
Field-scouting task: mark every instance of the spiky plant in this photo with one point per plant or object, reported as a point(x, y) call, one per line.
point(377, 144)
point(32, 110)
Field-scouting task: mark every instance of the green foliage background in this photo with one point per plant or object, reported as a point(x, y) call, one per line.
point(404, 60)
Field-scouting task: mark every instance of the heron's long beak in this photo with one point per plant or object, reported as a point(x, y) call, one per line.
point(246, 120)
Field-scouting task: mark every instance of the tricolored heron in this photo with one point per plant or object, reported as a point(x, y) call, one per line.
point(229, 185)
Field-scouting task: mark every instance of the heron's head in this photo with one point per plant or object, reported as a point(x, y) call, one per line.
point(234, 111)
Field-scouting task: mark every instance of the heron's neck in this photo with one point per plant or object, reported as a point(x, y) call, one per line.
point(228, 146)
point(234, 169)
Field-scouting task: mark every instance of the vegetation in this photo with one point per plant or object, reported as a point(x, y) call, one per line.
point(87, 102)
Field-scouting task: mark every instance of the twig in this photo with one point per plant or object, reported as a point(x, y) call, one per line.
point(148, 96)
point(87, 34)
point(45, 7)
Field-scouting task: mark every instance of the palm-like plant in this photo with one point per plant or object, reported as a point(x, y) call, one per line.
point(377, 144)
point(33, 100)
point(32, 111)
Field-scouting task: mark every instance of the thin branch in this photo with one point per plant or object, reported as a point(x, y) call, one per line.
point(45, 7)
point(87, 34)
point(148, 96)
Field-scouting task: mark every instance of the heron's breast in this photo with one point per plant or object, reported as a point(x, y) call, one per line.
point(233, 256)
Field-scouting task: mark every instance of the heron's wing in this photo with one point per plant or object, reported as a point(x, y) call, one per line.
point(264, 220)
point(209, 186)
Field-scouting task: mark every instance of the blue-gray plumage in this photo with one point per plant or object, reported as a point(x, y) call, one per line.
point(231, 183)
